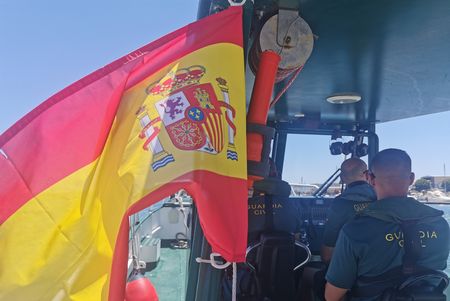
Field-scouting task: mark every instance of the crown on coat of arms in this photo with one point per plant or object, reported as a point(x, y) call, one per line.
point(176, 80)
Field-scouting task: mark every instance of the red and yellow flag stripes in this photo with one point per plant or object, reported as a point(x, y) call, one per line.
point(170, 115)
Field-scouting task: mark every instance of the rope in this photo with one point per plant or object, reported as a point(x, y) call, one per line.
point(219, 266)
point(232, 3)
point(295, 70)
point(3, 154)
point(213, 262)
point(286, 87)
point(179, 199)
point(233, 292)
point(286, 34)
point(134, 248)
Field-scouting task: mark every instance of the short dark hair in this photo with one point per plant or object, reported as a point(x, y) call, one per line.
point(352, 168)
point(393, 160)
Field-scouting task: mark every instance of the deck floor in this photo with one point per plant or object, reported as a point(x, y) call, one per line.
point(169, 276)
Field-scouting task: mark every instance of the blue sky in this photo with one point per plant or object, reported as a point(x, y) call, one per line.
point(46, 45)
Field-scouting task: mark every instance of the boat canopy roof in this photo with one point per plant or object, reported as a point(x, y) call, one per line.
point(394, 54)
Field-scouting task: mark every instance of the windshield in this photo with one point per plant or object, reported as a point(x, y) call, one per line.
point(308, 164)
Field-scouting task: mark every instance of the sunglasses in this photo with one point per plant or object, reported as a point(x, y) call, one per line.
point(370, 174)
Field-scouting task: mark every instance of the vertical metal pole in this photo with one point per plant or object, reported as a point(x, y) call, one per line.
point(196, 247)
point(373, 143)
point(278, 150)
point(204, 281)
point(445, 181)
point(209, 282)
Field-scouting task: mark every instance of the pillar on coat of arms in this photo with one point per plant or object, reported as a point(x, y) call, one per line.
point(150, 132)
point(231, 150)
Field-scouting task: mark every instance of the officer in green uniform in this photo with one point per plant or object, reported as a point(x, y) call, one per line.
point(355, 198)
point(372, 244)
point(357, 195)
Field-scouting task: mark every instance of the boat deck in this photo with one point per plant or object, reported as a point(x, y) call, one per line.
point(169, 277)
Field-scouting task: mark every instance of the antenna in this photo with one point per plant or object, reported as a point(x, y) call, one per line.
point(445, 181)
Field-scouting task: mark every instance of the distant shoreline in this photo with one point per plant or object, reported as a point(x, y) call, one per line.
point(433, 200)
point(434, 196)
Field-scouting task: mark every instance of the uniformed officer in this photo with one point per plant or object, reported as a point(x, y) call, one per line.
point(372, 244)
point(355, 198)
point(357, 195)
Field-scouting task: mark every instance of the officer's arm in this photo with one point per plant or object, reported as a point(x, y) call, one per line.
point(334, 293)
point(326, 253)
point(335, 220)
point(343, 269)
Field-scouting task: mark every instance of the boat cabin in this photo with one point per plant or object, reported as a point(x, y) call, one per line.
point(346, 67)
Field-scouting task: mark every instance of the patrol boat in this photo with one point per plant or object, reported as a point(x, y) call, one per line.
point(346, 66)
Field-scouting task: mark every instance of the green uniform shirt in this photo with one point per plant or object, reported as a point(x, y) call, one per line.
point(353, 200)
point(372, 244)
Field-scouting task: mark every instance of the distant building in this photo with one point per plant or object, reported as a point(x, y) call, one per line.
point(303, 189)
point(436, 181)
point(310, 189)
point(334, 190)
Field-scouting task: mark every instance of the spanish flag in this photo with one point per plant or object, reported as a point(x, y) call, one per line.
point(170, 115)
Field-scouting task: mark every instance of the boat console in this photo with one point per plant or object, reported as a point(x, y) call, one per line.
point(314, 211)
point(303, 216)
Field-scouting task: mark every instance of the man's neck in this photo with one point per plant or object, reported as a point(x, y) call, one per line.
point(382, 196)
point(355, 183)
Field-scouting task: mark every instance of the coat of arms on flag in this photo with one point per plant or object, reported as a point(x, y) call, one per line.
point(191, 113)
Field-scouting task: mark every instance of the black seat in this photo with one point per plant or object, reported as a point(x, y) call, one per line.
point(425, 284)
point(274, 260)
point(273, 220)
point(272, 254)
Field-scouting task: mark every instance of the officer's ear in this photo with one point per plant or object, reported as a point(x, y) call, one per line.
point(412, 176)
point(366, 175)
